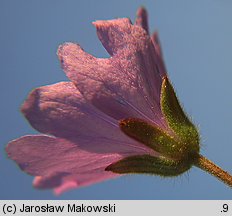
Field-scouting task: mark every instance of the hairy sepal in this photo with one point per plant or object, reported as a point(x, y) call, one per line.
point(178, 121)
point(152, 136)
point(147, 164)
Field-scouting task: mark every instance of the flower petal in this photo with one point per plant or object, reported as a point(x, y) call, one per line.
point(157, 45)
point(72, 181)
point(49, 181)
point(62, 111)
point(55, 159)
point(133, 47)
point(141, 19)
point(45, 156)
point(104, 83)
point(113, 34)
point(126, 85)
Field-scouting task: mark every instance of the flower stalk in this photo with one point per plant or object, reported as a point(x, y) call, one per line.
point(216, 171)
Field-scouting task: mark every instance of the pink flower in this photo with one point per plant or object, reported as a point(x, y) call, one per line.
point(79, 120)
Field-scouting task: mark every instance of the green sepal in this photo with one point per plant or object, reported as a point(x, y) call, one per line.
point(177, 119)
point(152, 136)
point(147, 164)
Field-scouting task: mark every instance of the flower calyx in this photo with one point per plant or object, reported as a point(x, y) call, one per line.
point(178, 148)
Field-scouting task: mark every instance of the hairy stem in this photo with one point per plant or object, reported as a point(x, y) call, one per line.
point(208, 166)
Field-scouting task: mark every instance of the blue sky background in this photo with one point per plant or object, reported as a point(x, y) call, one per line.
point(196, 41)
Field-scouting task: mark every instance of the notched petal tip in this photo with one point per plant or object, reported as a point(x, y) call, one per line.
point(141, 19)
point(141, 11)
point(43, 108)
point(50, 181)
point(113, 33)
point(30, 105)
point(68, 48)
point(65, 49)
point(14, 152)
point(65, 187)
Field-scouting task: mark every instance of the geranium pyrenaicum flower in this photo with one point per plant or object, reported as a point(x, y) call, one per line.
point(116, 116)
